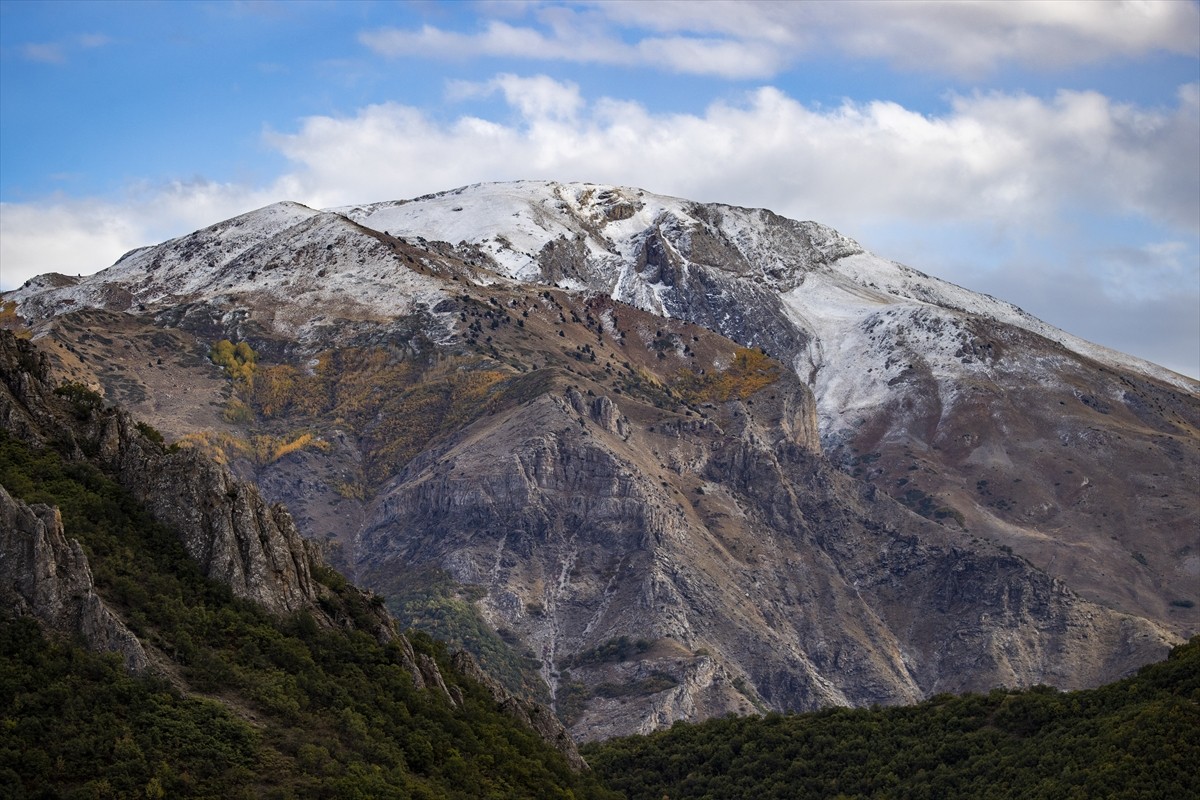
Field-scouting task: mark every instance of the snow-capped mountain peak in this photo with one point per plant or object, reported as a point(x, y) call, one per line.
point(728, 268)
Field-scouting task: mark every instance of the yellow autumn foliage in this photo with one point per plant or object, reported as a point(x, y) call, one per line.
point(268, 449)
point(11, 320)
point(393, 402)
point(220, 447)
point(238, 360)
point(751, 371)
point(262, 449)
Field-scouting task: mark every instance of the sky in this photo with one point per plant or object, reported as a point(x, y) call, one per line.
point(1046, 153)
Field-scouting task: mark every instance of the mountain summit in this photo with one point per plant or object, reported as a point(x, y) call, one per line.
point(657, 459)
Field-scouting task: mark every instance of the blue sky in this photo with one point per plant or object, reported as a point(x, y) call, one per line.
point(1046, 153)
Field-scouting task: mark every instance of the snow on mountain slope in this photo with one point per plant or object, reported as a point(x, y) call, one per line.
point(298, 266)
point(906, 283)
point(150, 274)
point(669, 255)
point(802, 290)
point(513, 223)
point(936, 407)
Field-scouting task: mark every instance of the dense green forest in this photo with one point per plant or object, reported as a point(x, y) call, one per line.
point(1137, 738)
point(254, 706)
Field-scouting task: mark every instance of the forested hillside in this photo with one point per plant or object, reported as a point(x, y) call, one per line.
point(1132, 739)
point(243, 703)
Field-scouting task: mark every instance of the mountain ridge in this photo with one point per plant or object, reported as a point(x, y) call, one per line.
point(983, 472)
point(223, 525)
point(865, 269)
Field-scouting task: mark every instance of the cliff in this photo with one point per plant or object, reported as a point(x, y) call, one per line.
point(224, 524)
point(790, 472)
point(45, 576)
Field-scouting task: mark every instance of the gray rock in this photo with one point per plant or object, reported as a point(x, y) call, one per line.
point(46, 576)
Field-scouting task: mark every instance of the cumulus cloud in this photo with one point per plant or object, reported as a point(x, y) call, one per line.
point(1005, 161)
point(747, 39)
point(61, 237)
point(1011, 159)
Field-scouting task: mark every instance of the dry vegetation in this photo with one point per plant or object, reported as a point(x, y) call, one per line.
point(750, 372)
point(13, 321)
point(395, 403)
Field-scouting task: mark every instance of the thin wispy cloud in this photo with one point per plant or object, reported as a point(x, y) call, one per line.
point(58, 52)
point(759, 39)
point(44, 53)
point(89, 40)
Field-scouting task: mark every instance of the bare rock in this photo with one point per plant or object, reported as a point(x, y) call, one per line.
point(225, 525)
point(45, 576)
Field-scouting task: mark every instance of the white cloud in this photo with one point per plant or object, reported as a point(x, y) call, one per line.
point(1007, 159)
point(726, 58)
point(574, 37)
point(496, 39)
point(540, 98)
point(758, 39)
point(71, 238)
point(1001, 161)
point(975, 37)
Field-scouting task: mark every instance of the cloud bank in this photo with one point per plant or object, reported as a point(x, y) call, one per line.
point(1008, 158)
point(742, 39)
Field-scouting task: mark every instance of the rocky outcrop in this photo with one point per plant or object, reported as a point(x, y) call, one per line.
point(224, 524)
point(46, 576)
point(941, 493)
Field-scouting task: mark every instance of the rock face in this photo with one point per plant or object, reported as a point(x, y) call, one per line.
point(224, 524)
point(758, 576)
point(560, 397)
point(45, 576)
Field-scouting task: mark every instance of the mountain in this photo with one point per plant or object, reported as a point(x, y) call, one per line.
point(656, 459)
point(244, 666)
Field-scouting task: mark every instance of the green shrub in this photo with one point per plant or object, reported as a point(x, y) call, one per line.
point(1134, 738)
point(83, 400)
